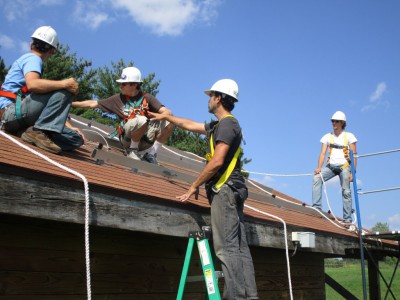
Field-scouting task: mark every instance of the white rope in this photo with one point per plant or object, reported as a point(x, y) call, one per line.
point(183, 156)
point(378, 153)
point(377, 191)
point(327, 199)
point(99, 135)
point(266, 174)
point(286, 244)
point(86, 186)
point(245, 171)
point(288, 201)
point(308, 174)
point(282, 175)
point(94, 127)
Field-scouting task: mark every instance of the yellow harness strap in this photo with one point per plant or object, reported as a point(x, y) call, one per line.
point(231, 165)
point(345, 150)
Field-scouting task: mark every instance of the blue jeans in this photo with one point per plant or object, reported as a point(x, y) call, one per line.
point(327, 173)
point(230, 244)
point(46, 112)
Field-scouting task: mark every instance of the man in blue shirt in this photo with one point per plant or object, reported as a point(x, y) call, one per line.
point(37, 106)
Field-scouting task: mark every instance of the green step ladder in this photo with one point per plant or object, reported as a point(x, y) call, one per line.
point(210, 276)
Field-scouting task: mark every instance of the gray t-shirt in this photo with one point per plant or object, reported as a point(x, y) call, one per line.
point(229, 132)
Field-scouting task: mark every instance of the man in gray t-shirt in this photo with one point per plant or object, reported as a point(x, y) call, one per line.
point(226, 189)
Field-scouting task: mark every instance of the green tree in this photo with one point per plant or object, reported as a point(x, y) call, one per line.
point(3, 70)
point(187, 141)
point(106, 84)
point(62, 65)
point(381, 227)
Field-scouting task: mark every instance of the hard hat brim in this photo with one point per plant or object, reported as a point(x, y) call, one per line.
point(208, 92)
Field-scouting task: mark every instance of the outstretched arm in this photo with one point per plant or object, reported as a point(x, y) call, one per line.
point(181, 122)
point(86, 104)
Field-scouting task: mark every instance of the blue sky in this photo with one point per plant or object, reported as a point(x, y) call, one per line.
point(296, 63)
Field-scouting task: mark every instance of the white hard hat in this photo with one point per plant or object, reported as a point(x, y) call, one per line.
point(46, 34)
point(225, 86)
point(130, 74)
point(339, 115)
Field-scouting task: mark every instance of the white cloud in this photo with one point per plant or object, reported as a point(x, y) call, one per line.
point(168, 17)
point(89, 14)
point(17, 9)
point(376, 99)
point(6, 42)
point(13, 10)
point(162, 17)
point(377, 95)
point(51, 2)
point(394, 222)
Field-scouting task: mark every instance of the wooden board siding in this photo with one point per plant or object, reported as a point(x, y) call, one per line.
point(138, 232)
point(42, 259)
point(138, 212)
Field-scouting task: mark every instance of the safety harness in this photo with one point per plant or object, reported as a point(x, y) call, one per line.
point(231, 165)
point(131, 110)
point(18, 97)
point(345, 148)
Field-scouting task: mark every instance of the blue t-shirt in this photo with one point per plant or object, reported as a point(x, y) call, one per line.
point(15, 78)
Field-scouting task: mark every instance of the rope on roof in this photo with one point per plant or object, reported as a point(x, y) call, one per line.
point(86, 186)
point(310, 174)
point(282, 175)
point(183, 156)
point(377, 191)
point(245, 171)
point(104, 139)
point(300, 204)
point(377, 153)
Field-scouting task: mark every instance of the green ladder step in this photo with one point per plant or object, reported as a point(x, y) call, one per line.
point(210, 276)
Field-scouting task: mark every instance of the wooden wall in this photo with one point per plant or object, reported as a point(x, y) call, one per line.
point(41, 259)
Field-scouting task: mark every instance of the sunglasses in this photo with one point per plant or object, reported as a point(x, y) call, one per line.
point(125, 83)
point(336, 121)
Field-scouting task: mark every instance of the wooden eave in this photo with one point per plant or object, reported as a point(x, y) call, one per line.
point(141, 201)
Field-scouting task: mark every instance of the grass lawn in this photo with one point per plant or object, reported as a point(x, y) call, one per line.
point(350, 277)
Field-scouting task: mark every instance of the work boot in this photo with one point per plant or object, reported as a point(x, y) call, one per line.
point(40, 139)
point(133, 153)
point(151, 158)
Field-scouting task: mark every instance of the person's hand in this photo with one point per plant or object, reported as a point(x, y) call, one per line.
point(156, 116)
point(79, 132)
point(72, 86)
point(192, 190)
point(317, 171)
point(351, 177)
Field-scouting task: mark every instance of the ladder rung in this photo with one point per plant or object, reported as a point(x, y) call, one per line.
point(218, 274)
point(195, 278)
